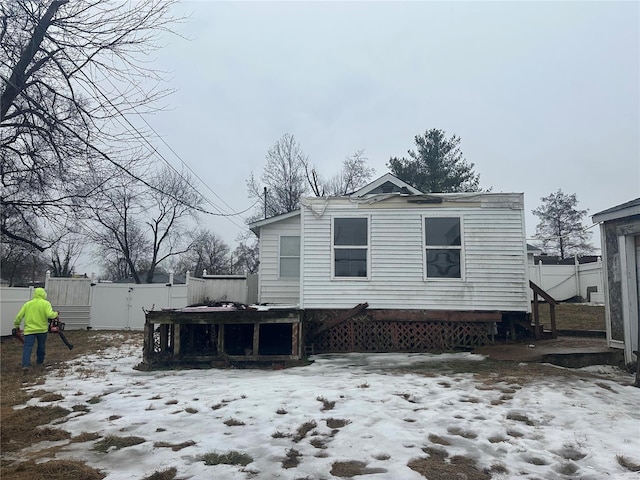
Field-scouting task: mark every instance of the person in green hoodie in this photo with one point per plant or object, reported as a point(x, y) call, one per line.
point(36, 314)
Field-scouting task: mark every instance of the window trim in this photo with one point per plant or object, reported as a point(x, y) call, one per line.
point(280, 257)
point(426, 247)
point(367, 247)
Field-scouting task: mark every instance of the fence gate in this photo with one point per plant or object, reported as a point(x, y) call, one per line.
point(71, 298)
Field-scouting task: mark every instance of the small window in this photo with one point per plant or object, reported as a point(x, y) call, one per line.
point(350, 247)
point(290, 257)
point(443, 242)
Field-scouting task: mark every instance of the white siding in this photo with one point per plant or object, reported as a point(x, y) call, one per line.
point(494, 278)
point(272, 288)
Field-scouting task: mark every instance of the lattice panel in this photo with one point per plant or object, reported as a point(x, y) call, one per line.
point(362, 335)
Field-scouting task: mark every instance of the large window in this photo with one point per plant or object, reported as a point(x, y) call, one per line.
point(289, 257)
point(350, 247)
point(443, 243)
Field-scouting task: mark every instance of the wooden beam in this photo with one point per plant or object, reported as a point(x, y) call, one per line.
point(343, 316)
point(435, 315)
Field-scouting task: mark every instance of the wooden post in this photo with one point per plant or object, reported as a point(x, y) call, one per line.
point(552, 315)
point(221, 340)
point(256, 339)
point(536, 316)
point(176, 340)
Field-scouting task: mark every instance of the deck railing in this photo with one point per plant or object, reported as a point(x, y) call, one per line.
point(537, 291)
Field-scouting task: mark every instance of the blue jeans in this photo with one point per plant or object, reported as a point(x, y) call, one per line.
point(29, 340)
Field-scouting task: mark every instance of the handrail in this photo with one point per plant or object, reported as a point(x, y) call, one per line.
point(536, 314)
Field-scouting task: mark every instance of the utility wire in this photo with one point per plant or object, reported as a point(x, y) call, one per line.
point(155, 150)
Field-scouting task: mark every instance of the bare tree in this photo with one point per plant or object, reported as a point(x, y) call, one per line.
point(208, 252)
point(65, 253)
point(560, 230)
point(246, 256)
point(173, 201)
point(355, 174)
point(70, 70)
point(21, 263)
point(283, 176)
point(141, 226)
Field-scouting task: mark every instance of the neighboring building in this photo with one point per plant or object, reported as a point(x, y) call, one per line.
point(620, 233)
point(433, 269)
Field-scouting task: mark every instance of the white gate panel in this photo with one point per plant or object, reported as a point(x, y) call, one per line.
point(117, 306)
point(110, 306)
point(11, 300)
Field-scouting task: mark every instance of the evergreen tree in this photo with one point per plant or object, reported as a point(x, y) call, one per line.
point(437, 166)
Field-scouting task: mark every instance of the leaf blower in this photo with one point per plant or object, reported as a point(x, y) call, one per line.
point(56, 326)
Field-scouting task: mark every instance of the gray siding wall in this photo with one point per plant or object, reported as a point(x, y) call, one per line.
point(494, 253)
point(612, 231)
point(274, 289)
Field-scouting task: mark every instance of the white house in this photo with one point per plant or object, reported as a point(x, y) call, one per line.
point(411, 257)
point(620, 233)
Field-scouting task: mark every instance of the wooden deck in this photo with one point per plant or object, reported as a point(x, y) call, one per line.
point(222, 336)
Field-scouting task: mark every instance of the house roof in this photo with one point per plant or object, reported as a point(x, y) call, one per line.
point(385, 184)
point(255, 226)
point(619, 211)
point(533, 249)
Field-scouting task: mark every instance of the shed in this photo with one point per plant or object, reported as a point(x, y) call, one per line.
point(620, 238)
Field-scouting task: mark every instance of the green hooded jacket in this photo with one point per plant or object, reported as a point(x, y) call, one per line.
point(36, 313)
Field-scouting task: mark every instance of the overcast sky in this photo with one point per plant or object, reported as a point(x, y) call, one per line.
point(544, 95)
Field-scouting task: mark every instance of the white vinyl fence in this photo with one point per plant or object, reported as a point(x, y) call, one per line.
point(563, 282)
point(119, 306)
point(11, 299)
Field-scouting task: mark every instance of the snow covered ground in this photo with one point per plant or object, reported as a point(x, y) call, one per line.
point(554, 427)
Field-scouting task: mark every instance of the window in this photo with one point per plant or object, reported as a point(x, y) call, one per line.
point(443, 242)
point(289, 257)
point(350, 247)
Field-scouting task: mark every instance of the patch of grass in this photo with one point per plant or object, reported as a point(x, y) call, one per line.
point(20, 428)
point(115, 442)
point(81, 408)
point(438, 439)
point(94, 400)
point(279, 434)
point(303, 429)
point(232, 422)
point(628, 464)
point(292, 458)
point(515, 433)
point(567, 468)
point(318, 443)
point(49, 434)
point(499, 469)
point(326, 404)
point(461, 432)
point(114, 417)
point(605, 386)
point(85, 437)
point(363, 385)
point(216, 406)
point(572, 316)
point(518, 417)
point(166, 474)
point(536, 461)
point(174, 446)
point(497, 439)
point(191, 410)
point(382, 456)
point(336, 422)
point(51, 397)
point(51, 470)
point(438, 468)
point(352, 468)
point(171, 402)
point(230, 458)
point(570, 453)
